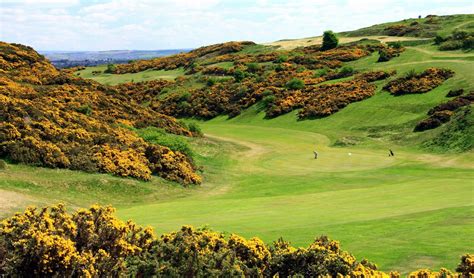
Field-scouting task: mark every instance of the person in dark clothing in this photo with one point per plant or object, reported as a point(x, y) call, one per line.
point(315, 154)
point(390, 153)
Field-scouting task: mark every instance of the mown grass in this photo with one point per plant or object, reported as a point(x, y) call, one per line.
point(114, 79)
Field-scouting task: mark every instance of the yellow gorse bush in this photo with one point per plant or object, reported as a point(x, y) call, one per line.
point(57, 120)
point(93, 242)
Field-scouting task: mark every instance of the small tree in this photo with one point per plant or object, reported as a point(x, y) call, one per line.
point(110, 68)
point(330, 40)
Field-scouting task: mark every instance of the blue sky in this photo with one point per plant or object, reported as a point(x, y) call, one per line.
point(164, 24)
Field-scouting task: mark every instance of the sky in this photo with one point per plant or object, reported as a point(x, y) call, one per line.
point(76, 25)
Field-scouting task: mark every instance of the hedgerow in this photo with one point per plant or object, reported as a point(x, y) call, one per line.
point(93, 242)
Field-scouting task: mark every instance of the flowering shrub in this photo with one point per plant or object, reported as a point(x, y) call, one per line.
point(52, 242)
point(93, 242)
point(419, 83)
point(67, 122)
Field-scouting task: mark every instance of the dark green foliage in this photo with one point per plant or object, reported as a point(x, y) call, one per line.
point(330, 40)
point(85, 109)
point(383, 56)
point(211, 81)
point(239, 75)
point(282, 59)
point(268, 100)
point(439, 39)
point(195, 128)
point(396, 45)
point(451, 45)
point(110, 68)
point(253, 67)
point(458, 40)
point(346, 71)
point(321, 72)
point(295, 84)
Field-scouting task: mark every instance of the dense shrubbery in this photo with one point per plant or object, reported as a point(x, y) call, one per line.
point(442, 113)
point(142, 92)
point(414, 83)
point(387, 53)
point(68, 122)
point(401, 30)
point(251, 80)
point(183, 59)
point(93, 242)
point(457, 40)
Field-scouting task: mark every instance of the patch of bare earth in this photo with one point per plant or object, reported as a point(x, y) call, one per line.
point(12, 201)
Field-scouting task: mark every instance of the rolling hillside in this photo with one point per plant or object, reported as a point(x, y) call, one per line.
point(408, 211)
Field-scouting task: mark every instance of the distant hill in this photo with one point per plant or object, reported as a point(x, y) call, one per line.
point(427, 27)
point(404, 30)
point(66, 59)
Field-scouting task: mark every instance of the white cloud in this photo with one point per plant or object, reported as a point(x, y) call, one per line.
point(158, 24)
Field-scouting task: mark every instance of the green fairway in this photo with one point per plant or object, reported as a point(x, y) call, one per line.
point(407, 205)
point(114, 79)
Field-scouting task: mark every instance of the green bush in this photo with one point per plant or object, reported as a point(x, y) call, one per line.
point(439, 39)
point(330, 40)
point(460, 35)
point(268, 100)
point(346, 71)
point(158, 136)
point(451, 45)
point(468, 43)
point(3, 164)
point(384, 56)
point(239, 75)
point(253, 67)
point(211, 81)
point(321, 72)
point(282, 59)
point(85, 109)
point(295, 84)
point(195, 128)
point(110, 68)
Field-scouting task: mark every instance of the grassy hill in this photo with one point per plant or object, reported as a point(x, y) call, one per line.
point(260, 179)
